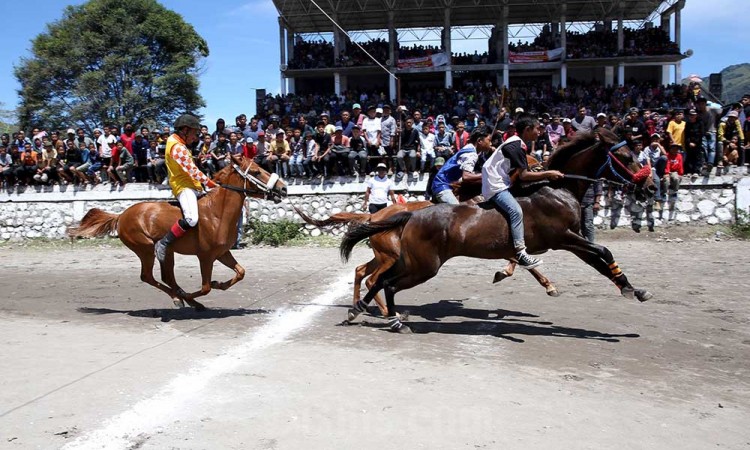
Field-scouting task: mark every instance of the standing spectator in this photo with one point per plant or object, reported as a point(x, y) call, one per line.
point(634, 124)
point(590, 205)
point(461, 137)
point(235, 146)
point(601, 122)
point(81, 137)
point(426, 148)
point(379, 188)
point(555, 130)
point(357, 116)
point(582, 122)
point(407, 156)
point(251, 132)
point(128, 136)
point(676, 129)
point(106, 143)
point(322, 160)
point(708, 117)
point(695, 159)
point(728, 130)
point(387, 134)
point(140, 151)
point(345, 123)
point(371, 128)
point(357, 150)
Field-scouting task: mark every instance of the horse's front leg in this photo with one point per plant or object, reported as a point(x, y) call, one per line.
point(207, 267)
point(507, 272)
point(545, 282)
point(239, 272)
point(167, 277)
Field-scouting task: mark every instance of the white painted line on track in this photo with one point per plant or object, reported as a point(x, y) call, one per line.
point(122, 431)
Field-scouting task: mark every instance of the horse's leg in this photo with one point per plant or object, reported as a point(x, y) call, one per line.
point(601, 259)
point(167, 277)
point(508, 271)
point(361, 306)
point(359, 274)
point(146, 255)
point(239, 272)
point(207, 267)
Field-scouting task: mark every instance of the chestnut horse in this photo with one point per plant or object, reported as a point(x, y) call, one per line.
point(143, 224)
point(552, 216)
point(387, 248)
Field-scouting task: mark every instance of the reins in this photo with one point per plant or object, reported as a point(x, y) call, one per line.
point(265, 188)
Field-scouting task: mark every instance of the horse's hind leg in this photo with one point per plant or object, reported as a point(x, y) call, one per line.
point(508, 271)
point(360, 273)
point(167, 277)
point(207, 267)
point(239, 272)
point(146, 255)
point(601, 259)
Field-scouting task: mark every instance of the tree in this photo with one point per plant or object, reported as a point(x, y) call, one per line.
point(7, 119)
point(111, 61)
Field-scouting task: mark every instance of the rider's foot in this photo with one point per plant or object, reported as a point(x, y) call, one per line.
point(161, 246)
point(527, 261)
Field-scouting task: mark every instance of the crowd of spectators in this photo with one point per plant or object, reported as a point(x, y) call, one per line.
point(317, 136)
point(596, 43)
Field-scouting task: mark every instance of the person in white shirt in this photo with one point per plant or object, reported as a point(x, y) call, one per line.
point(371, 129)
point(427, 147)
point(379, 188)
point(106, 144)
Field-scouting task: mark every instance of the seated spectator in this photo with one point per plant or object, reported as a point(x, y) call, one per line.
point(27, 168)
point(95, 165)
point(279, 155)
point(426, 148)
point(79, 171)
point(46, 171)
point(141, 147)
point(122, 164)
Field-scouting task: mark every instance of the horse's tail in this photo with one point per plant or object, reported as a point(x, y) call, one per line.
point(336, 219)
point(94, 224)
point(367, 229)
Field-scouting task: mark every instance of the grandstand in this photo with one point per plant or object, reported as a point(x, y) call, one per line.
point(559, 41)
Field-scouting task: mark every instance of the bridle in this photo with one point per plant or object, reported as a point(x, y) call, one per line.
point(265, 188)
point(633, 178)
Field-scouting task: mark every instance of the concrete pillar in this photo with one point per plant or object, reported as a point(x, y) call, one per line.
point(609, 75)
point(563, 75)
point(665, 78)
point(282, 54)
point(664, 23)
point(337, 84)
point(563, 32)
point(678, 72)
point(678, 26)
point(556, 79)
point(506, 77)
point(620, 33)
point(291, 86)
point(392, 42)
point(621, 74)
point(447, 47)
point(505, 40)
point(338, 45)
point(289, 45)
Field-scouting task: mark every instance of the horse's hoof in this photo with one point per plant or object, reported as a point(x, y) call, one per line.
point(628, 292)
point(643, 295)
point(403, 329)
point(553, 292)
point(178, 302)
point(352, 314)
point(499, 276)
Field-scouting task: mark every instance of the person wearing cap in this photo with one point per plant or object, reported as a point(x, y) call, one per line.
point(634, 124)
point(379, 188)
point(280, 153)
point(729, 130)
point(273, 127)
point(673, 172)
point(185, 179)
point(509, 159)
point(436, 166)
point(676, 129)
point(357, 116)
point(518, 111)
point(443, 141)
point(601, 122)
point(695, 159)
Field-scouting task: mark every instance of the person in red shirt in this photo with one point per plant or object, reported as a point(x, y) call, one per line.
point(250, 150)
point(673, 174)
point(128, 136)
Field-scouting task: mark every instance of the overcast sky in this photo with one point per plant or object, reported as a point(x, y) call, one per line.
point(243, 39)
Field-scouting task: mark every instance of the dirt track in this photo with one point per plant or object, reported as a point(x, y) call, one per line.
point(91, 355)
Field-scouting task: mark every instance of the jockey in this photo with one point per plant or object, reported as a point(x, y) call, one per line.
point(496, 182)
point(184, 178)
point(460, 167)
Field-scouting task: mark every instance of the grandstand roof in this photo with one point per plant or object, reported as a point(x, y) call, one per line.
point(303, 17)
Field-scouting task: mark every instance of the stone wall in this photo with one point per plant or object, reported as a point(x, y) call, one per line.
point(47, 212)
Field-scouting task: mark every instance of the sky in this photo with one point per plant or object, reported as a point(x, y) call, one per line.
point(243, 39)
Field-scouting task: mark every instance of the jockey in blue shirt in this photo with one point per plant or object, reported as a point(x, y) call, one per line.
point(460, 167)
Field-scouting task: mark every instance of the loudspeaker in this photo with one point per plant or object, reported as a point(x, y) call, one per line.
point(715, 86)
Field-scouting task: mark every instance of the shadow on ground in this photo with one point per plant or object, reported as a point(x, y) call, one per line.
point(501, 323)
point(167, 314)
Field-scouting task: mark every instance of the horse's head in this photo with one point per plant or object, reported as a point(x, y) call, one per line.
point(622, 166)
point(251, 179)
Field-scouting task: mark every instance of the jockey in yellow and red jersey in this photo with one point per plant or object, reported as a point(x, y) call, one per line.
point(185, 179)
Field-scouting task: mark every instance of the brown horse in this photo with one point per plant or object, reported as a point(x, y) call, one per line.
point(386, 248)
point(142, 225)
point(431, 236)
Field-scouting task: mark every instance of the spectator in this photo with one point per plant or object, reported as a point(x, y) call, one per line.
point(379, 188)
point(676, 129)
point(127, 137)
point(590, 205)
point(264, 150)
point(79, 171)
point(140, 149)
point(357, 150)
point(220, 127)
point(426, 148)
point(279, 155)
point(345, 123)
point(582, 122)
point(322, 160)
point(46, 171)
point(27, 168)
point(218, 152)
point(461, 137)
point(673, 173)
point(728, 130)
point(407, 156)
point(95, 165)
point(297, 148)
point(6, 166)
point(695, 159)
point(443, 142)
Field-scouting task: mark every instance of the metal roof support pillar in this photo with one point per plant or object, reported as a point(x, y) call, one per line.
point(392, 43)
point(564, 75)
point(337, 44)
point(289, 58)
point(563, 30)
point(447, 49)
point(506, 72)
point(282, 55)
point(678, 24)
point(620, 30)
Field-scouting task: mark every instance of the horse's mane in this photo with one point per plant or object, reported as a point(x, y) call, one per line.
point(222, 175)
point(580, 142)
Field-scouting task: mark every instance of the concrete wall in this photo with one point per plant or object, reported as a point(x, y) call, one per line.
point(46, 212)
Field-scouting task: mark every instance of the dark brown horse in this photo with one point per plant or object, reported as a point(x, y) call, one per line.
point(143, 224)
point(552, 216)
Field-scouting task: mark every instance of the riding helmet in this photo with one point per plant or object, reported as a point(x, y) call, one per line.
point(187, 120)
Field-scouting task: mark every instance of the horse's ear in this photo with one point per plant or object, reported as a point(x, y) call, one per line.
point(597, 136)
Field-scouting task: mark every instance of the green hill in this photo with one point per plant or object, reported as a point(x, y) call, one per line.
point(736, 80)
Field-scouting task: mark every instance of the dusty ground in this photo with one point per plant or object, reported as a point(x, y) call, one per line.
point(92, 357)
